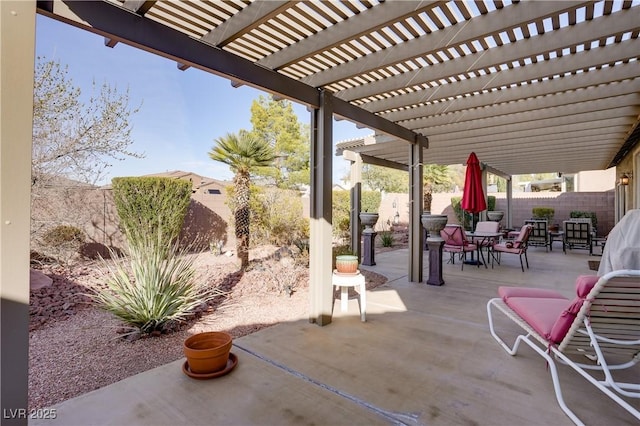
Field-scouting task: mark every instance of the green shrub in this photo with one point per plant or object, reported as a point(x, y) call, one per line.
point(283, 222)
point(64, 235)
point(340, 214)
point(153, 206)
point(341, 206)
point(275, 216)
point(62, 243)
point(579, 214)
point(491, 202)
point(543, 213)
point(386, 238)
point(370, 201)
point(154, 285)
point(302, 256)
point(465, 218)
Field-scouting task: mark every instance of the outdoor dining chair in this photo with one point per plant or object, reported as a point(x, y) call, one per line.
point(487, 242)
point(539, 233)
point(486, 226)
point(517, 246)
point(455, 242)
point(577, 235)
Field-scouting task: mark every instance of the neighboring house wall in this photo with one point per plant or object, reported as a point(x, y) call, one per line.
point(93, 210)
point(209, 216)
point(596, 180)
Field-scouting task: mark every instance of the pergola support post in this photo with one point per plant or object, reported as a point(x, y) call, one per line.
point(509, 212)
point(482, 216)
point(320, 287)
point(415, 212)
point(355, 205)
point(17, 47)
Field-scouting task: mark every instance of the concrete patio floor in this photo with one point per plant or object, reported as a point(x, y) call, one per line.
point(425, 357)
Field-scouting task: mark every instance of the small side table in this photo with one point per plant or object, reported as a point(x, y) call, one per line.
point(556, 236)
point(344, 281)
point(599, 241)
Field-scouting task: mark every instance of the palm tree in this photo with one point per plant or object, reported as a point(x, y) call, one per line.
point(242, 152)
point(436, 177)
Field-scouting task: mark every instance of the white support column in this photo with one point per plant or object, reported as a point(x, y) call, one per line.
point(483, 214)
point(320, 260)
point(416, 237)
point(509, 203)
point(17, 50)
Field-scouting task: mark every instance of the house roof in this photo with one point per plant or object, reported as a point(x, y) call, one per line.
point(197, 180)
point(529, 86)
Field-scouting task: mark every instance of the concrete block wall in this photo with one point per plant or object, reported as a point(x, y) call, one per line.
point(602, 203)
point(210, 217)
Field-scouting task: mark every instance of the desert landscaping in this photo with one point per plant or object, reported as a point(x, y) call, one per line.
point(75, 347)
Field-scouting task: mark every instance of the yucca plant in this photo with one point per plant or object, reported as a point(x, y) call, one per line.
point(153, 285)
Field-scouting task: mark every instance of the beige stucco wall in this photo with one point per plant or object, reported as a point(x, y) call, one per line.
point(631, 163)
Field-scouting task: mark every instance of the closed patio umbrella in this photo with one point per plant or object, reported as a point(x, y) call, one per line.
point(473, 199)
point(473, 195)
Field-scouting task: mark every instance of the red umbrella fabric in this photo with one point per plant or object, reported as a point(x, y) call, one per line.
point(473, 195)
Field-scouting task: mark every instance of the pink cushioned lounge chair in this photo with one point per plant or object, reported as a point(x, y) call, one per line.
point(598, 331)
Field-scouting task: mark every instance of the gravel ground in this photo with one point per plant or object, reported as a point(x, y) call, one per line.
point(75, 347)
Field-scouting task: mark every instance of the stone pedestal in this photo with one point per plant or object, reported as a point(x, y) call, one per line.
point(435, 261)
point(368, 255)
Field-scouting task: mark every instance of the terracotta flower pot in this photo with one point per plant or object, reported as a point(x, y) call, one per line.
point(207, 352)
point(347, 264)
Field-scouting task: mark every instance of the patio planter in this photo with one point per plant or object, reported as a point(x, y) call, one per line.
point(207, 353)
point(434, 223)
point(347, 264)
point(369, 220)
point(495, 215)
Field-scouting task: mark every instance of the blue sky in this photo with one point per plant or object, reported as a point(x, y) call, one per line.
point(181, 113)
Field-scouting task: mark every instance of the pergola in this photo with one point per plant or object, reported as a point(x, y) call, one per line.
point(530, 86)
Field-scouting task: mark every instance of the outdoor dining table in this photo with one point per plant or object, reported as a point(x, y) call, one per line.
point(482, 238)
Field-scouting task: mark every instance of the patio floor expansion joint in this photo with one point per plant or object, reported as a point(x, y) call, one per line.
point(396, 418)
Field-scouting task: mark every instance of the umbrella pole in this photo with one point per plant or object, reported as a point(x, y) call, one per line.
point(473, 228)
